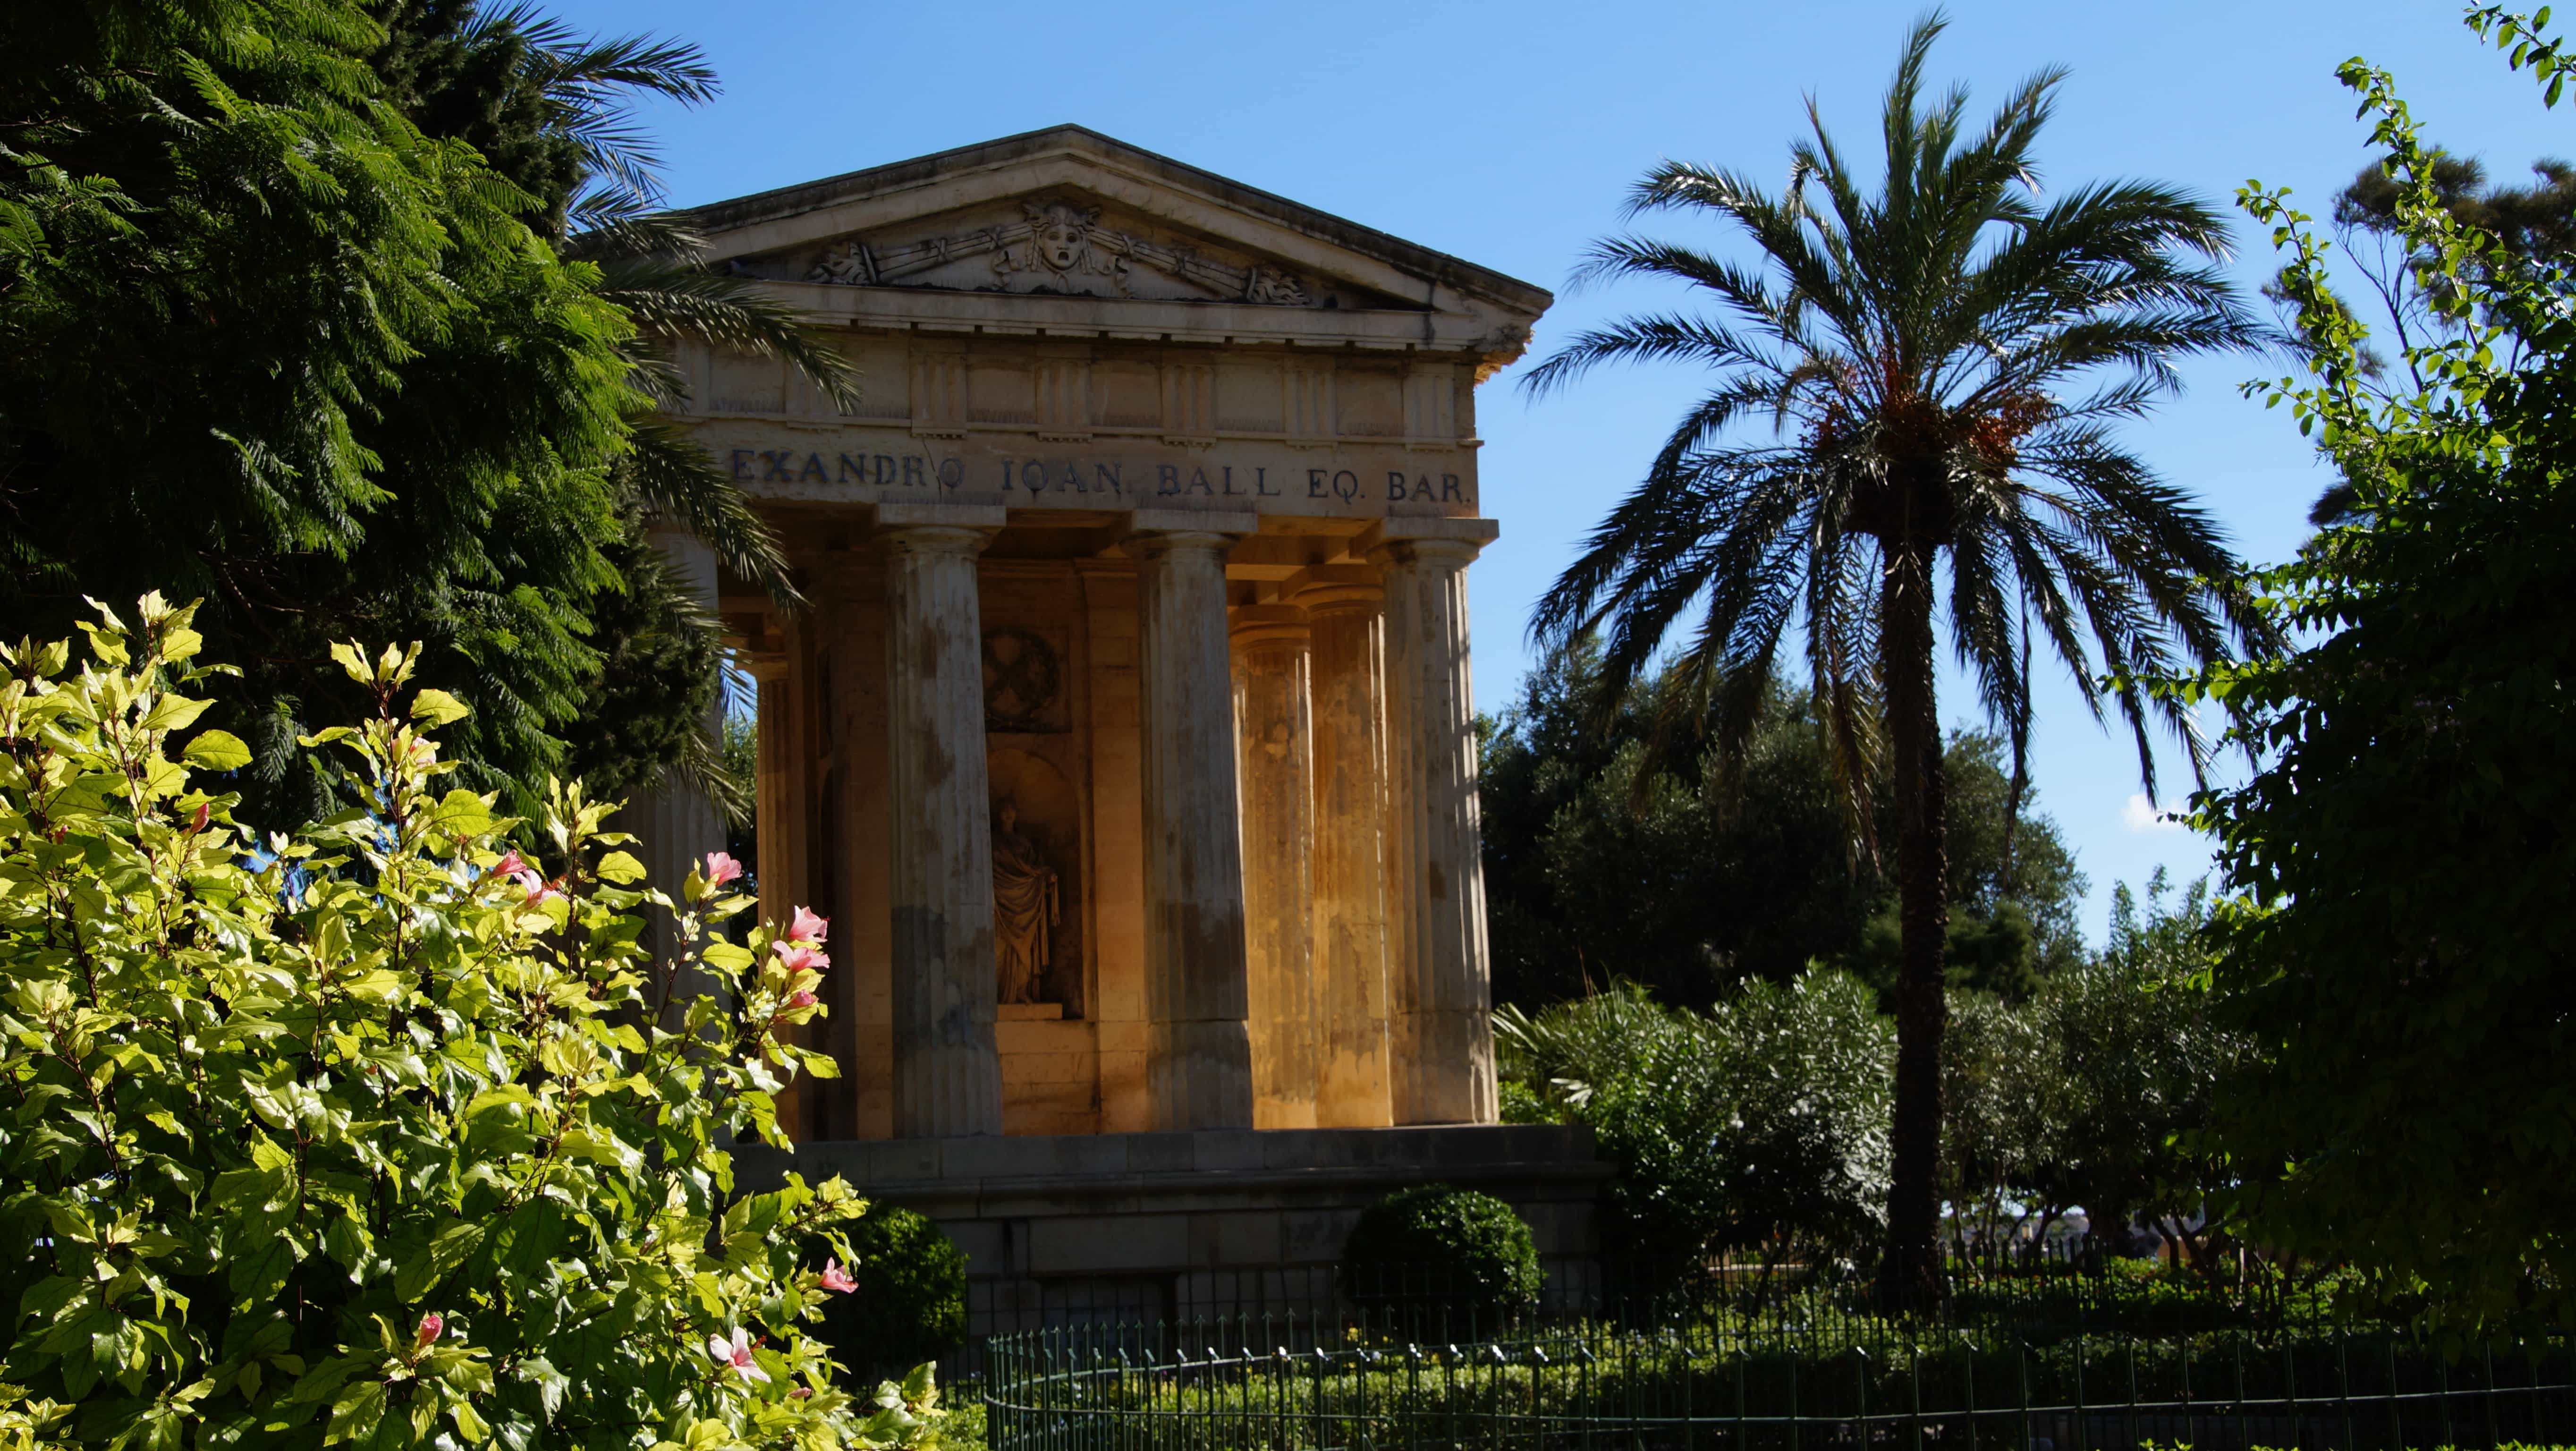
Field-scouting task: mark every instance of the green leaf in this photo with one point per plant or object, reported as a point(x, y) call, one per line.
point(216, 751)
point(354, 663)
point(415, 1273)
point(348, 1242)
point(174, 712)
point(438, 708)
point(468, 1424)
point(621, 868)
point(356, 1413)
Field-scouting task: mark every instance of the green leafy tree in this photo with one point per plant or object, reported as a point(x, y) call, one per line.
point(2098, 1092)
point(1759, 1127)
point(1942, 365)
point(370, 1134)
point(1607, 861)
point(2531, 231)
point(2399, 859)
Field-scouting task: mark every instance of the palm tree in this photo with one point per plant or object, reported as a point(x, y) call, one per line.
point(1941, 367)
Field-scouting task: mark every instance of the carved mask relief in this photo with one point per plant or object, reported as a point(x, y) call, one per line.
point(1063, 236)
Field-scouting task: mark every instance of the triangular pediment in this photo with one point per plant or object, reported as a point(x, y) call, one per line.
point(1067, 243)
point(1068, 213)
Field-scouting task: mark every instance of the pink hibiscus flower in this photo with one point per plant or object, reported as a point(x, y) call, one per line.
point(799, 957)
point(737, 1354)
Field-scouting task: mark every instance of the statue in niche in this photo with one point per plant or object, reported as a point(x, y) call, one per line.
point(1025, 909)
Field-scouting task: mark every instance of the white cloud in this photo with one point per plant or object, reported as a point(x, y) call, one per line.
point(2141, 815)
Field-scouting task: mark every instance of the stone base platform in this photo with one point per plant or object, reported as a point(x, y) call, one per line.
point(1078, 1227)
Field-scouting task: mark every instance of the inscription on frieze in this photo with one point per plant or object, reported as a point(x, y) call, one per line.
point(1102, 478)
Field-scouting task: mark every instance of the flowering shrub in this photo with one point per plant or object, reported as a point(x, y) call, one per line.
point(381, 1133)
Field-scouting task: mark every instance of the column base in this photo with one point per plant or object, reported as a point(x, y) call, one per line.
point(1448, 1068)
point(1198, 1075)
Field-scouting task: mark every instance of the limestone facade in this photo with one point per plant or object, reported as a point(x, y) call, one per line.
point(1154, 522)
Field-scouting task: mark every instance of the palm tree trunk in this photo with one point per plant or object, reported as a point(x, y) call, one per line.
point(1909, 1271)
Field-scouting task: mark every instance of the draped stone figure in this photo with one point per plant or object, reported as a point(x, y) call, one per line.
point(1026, 907)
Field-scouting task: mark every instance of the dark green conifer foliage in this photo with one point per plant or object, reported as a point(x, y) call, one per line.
point(262, 341)
point(1605, 862)
point(275, 332)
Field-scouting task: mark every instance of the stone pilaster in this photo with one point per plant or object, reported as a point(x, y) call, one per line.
point(1198, 1069)
point(1349, 688)
point(947, 1075)
point(1443, 1039)
point(1274, 731)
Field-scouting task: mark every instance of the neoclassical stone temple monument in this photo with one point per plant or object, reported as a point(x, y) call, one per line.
point(1127, 738)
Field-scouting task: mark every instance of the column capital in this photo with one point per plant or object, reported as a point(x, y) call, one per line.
point(888, 517)
point(1454, 553)
point(963, 539)
point(1387, 534)
point(1162, 542)
point(1229, 524)
point(1256, 625)
point(1339, 597)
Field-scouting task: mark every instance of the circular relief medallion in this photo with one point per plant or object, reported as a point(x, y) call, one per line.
point(1021, 678)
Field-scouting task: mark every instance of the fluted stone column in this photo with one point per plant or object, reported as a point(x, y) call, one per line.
point(1442, 1025)
point(1274, 731)
point(775, 833)
point(676, 826)
point(947, 1076)
point(1347, 673)
point(774, 796)
point(1198, 1058)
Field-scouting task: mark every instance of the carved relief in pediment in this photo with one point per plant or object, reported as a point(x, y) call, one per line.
point(1063, 248)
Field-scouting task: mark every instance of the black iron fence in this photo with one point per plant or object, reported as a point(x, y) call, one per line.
point(2067, 1299)
point(2063, 1367)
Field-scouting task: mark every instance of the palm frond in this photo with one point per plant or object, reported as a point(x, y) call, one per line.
point(1938, 361)
point(670, 299)
point(668, 472)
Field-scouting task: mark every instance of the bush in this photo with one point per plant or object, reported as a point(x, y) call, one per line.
point(1760, 1126)
point(372, 1132)
point(910, 1306)
point(1435, 1245)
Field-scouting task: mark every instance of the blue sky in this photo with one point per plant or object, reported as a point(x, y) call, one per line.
point(1505, 132)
